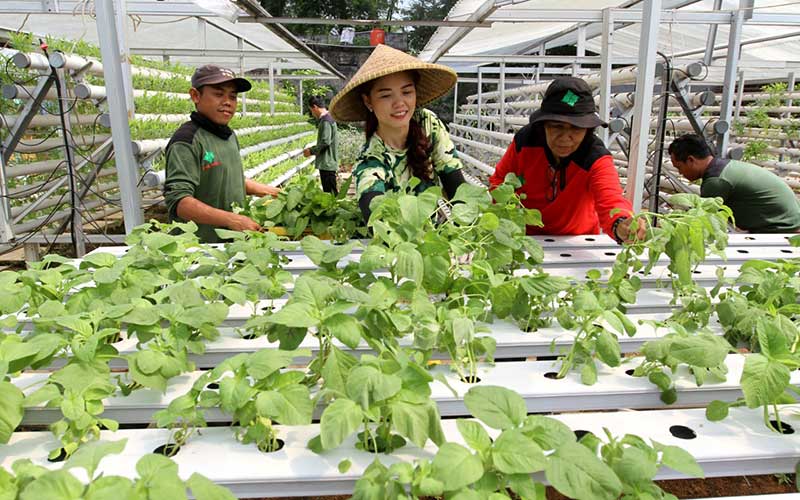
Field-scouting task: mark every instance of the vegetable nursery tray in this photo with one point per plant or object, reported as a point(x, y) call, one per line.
point(739, 445)
point(615, 388)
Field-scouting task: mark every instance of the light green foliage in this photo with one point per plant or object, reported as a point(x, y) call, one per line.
point(303, 205)
point(158, 478)
point(350, 142)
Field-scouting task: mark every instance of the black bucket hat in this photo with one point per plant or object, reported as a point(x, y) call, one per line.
point(569, 99)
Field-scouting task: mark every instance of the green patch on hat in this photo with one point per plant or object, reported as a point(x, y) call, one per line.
point(208, 157)
point(570, 98)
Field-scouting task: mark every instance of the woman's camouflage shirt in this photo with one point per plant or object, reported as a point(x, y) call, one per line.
point(381, 168)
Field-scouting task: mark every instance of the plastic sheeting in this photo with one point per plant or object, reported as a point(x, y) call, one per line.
point(160, 32)
point(765, 60)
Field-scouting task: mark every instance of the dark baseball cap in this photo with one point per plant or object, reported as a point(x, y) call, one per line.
point(212, 75)
point(569, 99)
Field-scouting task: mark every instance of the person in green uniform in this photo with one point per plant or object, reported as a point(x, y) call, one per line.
point(403, 140)
point(204, 170)
point(326, 150)
point(760, 200)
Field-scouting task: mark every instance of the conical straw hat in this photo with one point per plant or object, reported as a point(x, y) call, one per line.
point(434, 81)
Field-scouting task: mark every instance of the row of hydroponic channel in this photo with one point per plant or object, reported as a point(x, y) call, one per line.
point(271, 129)
point(274, 368)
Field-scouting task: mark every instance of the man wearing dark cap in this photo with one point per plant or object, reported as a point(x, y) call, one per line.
point(204, 169)
point(567, 173)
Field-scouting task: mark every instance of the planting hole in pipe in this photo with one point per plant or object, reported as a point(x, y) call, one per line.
point(580, 433)
point(279, 444)
point(784, 428)
point(268, 308)
point(62, 455)
point(471, 379)
point(630, 372)
point(549, 240)
point(377, 444)
point(682, 432)
point(742, 250)
point(551, 375)
point(250, 336)
point(566, 255)
point(168, 450)
point(785, 250)
point(610, 254)
point(212, 386)
point(590, 239)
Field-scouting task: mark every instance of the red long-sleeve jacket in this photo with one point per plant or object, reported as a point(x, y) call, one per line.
point(583, 201)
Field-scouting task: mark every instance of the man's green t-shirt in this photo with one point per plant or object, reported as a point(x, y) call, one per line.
point(326, 150)
point(202, 160)
point(761, 202)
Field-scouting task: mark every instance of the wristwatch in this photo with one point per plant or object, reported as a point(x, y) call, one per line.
point(614, 229)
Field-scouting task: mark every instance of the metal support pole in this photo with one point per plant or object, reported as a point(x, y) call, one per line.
point(480, 94)
point(502, 88)
point(580, 48)
point(165, 59)
point(731, 64)
point(739, 94)
point(202, 29)
point(240, 46)
point(643, 103)
point(605, 71)
point(712, 37)
point(655, 180)
point(542, 52)
point(76, 220)
point(455, 100)
point(300, 87)
point(791, 81)
point(120, 10)
point(121, 132)
point(30, 110)
point(6, 234)
point(32, 252)
point(271, 89)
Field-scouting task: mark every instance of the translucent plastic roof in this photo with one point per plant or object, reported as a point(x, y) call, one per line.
point(765, 59)
point(502, 36)
point(166, 32)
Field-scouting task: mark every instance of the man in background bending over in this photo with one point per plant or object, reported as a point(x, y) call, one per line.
point(760, 200)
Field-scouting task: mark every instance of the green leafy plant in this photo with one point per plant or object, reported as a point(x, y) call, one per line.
point(388, 397)
point(303, 205)
point(157, 478)
point(254, 389)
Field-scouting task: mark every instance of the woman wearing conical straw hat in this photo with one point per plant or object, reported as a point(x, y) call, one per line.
point(404, 140)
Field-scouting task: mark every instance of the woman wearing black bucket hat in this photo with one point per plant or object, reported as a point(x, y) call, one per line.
point(566, 171)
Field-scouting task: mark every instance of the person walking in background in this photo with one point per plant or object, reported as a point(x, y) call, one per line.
point(204, 173)
point(760, 201)
point(404, 140)
point(326, 149)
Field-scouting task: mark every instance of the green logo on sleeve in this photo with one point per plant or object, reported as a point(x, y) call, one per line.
point(570, 98)
point(208, 157)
